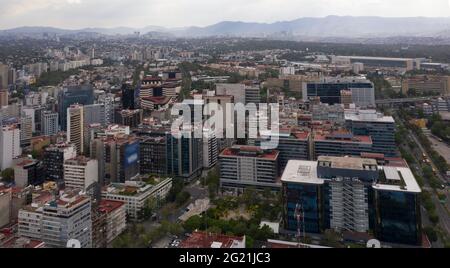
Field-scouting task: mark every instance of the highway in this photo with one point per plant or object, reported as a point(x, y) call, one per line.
point(441, 209)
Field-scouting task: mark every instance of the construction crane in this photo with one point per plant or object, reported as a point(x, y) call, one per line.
point(300, 216)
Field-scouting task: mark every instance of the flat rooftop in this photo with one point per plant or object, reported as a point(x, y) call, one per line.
point(354, 163)
point(298, 171)
point(398, 179)
point(250, 151)
point(367, 116)
point(208, 240)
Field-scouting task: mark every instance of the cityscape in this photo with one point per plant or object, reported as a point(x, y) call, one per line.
point(290, 133)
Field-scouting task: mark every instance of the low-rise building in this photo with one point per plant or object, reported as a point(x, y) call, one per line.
point(136, 195)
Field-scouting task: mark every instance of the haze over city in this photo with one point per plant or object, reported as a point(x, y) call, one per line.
point(76, 14)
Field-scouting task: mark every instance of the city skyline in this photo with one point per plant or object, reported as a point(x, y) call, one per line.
point(76, 14)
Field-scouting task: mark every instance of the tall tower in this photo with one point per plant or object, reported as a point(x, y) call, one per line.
point(75, 127)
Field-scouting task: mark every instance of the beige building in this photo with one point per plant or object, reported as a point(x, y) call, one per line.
point(75, 127)
point(427, 84)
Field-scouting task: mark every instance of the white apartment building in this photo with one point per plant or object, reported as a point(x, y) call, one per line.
point(136, 194)
point(56, 222)
point(9, 145)
point(80, 173)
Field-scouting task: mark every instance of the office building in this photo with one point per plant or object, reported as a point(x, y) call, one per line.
point(9, 145)
point(26, 129)
point(3, 98)
point(326, 112)
point(75, 127)
point(130, 97)
point(404, 64)
point(50, 125)
point(397, 199)
point(252, 94)
point(379, 127)
point(340, 143)
point(235, 90)
point(28, 171)
point(185, 157)
point(248, 166)
point(352, 194)
point(136, 195)
point(4, 74)
point(80, 173)
point(131, 118)
point(58, 221)
point(153, 155)
point(210, 149)
point(330, 89)
point(292, 145)
point(82, 95)
point(118, 158)
point(55, 156)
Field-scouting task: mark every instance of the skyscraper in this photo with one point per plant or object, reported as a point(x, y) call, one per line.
point(49, 123)
point(9, 145)
point(75, 127)
point(4, 74)
point(83, 95)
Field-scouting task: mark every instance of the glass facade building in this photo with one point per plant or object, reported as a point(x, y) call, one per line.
point(83, 95)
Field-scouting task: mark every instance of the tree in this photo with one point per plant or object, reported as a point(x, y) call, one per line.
point(431, 233)
point(8, 175)
point(332, 238)
point(193, 223)
point(182, 198)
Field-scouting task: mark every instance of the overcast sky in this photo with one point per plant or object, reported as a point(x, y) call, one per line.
point(75, 14)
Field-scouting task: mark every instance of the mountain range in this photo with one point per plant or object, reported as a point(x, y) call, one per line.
point(331, 26)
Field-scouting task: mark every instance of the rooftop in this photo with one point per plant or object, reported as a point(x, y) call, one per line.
point(367, 116)
point(250, 151)
point(398, 179)
point(208, 240)
point(354, 163)
point(108, 206)
point(298, 171)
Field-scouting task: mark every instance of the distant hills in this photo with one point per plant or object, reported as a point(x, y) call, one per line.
point(331, 26)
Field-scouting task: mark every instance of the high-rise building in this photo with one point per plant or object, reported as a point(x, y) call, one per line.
point(252, 94)
point(235, 90)
point(210, 149)
point(242, 167)
point(49, 125)
point(26, 129)
point(83, 95)
point(379, 127)
point(58, 221)
point(292, 145)
point(341, 144)
point(4, 73)
point(3, 97)
point(352, 194)
point(75, 127)
point(28, 172)
point(185, 157)
point(130, 97)
point(108, 100)
point(153, 155)
point(118, 158)
point(131, 118)
point(330, 89)
point(80, 173)
point(9, 145)
point(54, 157)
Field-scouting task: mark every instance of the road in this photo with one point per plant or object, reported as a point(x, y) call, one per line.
point(441, 147)
point(441, 209)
